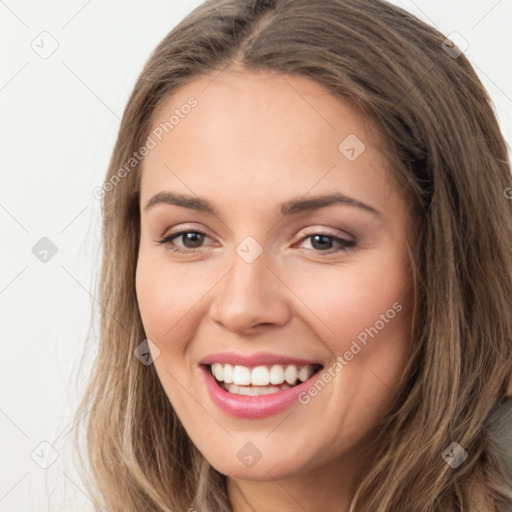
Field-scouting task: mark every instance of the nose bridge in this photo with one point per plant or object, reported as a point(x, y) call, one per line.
point(250, 294)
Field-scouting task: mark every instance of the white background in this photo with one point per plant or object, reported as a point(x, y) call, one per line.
point(60, 118)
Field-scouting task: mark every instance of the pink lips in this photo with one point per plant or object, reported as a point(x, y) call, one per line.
point(261, 358)
point(243, 406)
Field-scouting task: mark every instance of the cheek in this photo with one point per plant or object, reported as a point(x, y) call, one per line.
point(348, 300)
point(168, 308)
point(366, 308)
point(165, 296)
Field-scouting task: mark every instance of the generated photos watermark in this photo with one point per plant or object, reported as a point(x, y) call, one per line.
point(151, 143)
point(341, 361)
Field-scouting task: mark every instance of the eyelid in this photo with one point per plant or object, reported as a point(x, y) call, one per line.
point(180, 228)
point(317, 230)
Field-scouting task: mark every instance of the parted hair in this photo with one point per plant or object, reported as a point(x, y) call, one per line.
point(444, 148)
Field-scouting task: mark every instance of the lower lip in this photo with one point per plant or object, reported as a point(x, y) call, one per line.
point(243, 406)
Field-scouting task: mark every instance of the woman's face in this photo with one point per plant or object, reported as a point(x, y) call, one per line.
point(294, 255)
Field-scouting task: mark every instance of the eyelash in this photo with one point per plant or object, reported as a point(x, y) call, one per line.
point(347, 245)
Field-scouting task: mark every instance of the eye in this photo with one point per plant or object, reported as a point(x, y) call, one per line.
point(320, 242)
point(191, 240)
point(323, 243)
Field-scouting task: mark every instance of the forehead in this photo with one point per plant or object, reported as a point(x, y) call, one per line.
point(250, 133)
point(254, 105)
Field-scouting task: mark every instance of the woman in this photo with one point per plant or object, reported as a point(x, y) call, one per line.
point(307, 271)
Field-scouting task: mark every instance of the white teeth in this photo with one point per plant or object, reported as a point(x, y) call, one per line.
point(246, 391)
point(218, 371)
point(241, 376)
point(276, 374)
point(228, 373)
point(242, 390)
point(233, 388)
point(303, 374)
point(290, 375)
point(261, 375)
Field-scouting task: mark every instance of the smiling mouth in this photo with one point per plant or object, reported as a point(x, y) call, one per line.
point(261, 380)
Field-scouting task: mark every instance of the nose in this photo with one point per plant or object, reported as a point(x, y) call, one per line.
point(250, 295)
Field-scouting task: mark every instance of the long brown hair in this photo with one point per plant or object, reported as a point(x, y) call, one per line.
point(445, 149)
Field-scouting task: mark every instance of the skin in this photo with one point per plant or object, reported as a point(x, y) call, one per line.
point(254, 141)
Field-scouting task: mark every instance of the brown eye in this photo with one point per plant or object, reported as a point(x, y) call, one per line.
point(323, 243)
point(190, 240)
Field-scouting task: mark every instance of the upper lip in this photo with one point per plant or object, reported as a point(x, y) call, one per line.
point(257, 359)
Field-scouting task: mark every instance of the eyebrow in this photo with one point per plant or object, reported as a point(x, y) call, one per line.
point(291, 207)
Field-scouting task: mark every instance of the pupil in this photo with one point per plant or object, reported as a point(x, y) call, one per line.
point(326, 239)
point(194, 238)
